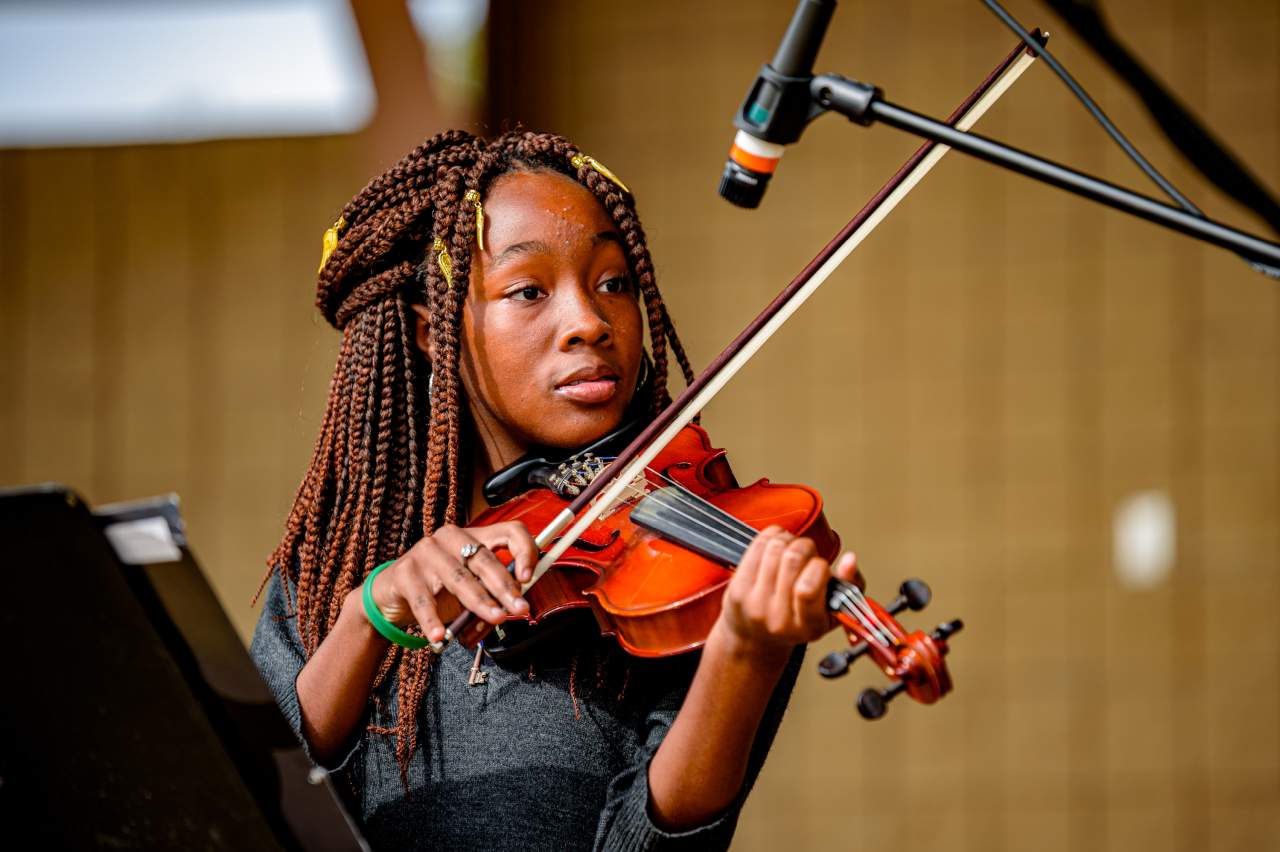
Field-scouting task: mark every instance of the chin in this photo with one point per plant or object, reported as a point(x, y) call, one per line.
point(581, 426)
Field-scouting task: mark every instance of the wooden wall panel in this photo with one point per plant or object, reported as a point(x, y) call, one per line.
point(56, 280)
point(13, 350)
point(993, 371)
point(161, 335)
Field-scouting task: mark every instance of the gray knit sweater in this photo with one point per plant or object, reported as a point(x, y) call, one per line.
point(551, 756)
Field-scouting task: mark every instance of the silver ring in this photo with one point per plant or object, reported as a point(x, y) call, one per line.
point(469, 550)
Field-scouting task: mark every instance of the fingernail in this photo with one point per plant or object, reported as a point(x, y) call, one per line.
point(520, 602)
point(496, 611)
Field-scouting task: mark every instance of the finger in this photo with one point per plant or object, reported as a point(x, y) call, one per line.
point(444, 560)
point(497, 579)
point(760, 597)
point(812, 582)
point(749, 566)
point(744, 575)
point(515, 537)
point(796, 556)
point(846, 567)
point(423, 605)
point(810, 598)
point(791, 562)
point(386, 596)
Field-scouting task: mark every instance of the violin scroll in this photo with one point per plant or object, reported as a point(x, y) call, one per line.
point(914, 661)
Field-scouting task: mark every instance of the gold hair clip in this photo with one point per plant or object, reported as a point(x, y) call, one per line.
point(330, 241)
point(443, 261)
point(473, 197)
point(580, 160)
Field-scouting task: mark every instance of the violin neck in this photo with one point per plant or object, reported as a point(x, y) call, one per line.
point(682, 517)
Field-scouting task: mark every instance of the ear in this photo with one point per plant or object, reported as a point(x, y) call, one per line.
point(422, 333)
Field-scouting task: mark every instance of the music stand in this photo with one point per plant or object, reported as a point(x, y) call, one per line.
point(134, 717)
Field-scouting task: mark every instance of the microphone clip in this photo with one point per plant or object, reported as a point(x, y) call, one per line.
point(778, 107)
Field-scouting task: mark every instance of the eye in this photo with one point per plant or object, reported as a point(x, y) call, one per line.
point(528, 293)
point(617, 284)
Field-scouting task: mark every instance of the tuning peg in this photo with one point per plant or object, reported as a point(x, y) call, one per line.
point(837, 662)
point(913, 595)
point(947, 629)
point(872, 703)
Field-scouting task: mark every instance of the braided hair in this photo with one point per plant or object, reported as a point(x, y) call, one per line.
point(385, 469)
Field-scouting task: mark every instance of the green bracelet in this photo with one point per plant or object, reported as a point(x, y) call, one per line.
point(386, 628)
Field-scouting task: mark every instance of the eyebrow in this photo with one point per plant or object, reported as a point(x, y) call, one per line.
point(607, 237)
point(515, 250)
point(528, 247)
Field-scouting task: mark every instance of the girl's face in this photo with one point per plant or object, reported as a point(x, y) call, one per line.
point(552, 331)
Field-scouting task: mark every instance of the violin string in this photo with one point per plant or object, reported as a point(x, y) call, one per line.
point(851, 599)
point(848, 605)
point(868, 617)
point(875, 633)
point(854, 595)
point(865, 615)
point(872, 631)
point(639, 494)
point(733, 528)
point(711, 508)
point(705, 521)
point(712, 517)
point(709, 517)
point(684, 503)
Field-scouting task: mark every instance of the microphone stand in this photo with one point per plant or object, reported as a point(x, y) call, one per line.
point(864, 104)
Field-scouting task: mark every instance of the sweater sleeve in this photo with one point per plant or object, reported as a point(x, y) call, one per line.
point(626, 825)
point(277, 652)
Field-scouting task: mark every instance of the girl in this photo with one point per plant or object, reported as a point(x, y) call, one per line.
point(489, 295)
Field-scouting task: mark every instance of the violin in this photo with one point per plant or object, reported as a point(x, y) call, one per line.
point(680, 495)
point(652, 569)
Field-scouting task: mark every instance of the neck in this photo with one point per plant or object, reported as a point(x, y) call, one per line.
point(492, 451)
point(478, 503)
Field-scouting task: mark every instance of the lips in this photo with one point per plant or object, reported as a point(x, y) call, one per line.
point(590, 385)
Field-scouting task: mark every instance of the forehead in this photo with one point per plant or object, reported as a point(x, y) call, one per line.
point(523, 205)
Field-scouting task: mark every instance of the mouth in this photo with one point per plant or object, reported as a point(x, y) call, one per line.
point(593, 385)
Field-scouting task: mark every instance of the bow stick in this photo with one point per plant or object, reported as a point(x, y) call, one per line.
point(633, 460)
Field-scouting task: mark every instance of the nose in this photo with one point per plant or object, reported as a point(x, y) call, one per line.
point(582, 322)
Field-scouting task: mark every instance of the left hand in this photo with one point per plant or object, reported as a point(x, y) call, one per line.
point(778, 595)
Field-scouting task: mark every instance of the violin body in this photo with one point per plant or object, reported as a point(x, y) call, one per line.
point(653, 567)
point(655, 597)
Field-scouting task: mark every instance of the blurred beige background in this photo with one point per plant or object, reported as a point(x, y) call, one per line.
point(977, 391)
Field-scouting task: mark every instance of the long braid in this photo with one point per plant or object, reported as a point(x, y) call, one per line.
point(409, 457)
point(388, 464)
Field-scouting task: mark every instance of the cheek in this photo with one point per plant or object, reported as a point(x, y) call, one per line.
point(497, 352)
point(629, 328)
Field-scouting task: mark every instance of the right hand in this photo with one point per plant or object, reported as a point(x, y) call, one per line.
point(431, 584)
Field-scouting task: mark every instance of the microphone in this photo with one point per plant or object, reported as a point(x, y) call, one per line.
point(777, 107)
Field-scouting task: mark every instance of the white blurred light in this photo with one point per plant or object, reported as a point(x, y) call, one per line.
point(126, 72)
point(452, 31)
point(1145, 539)
point(448, 21)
